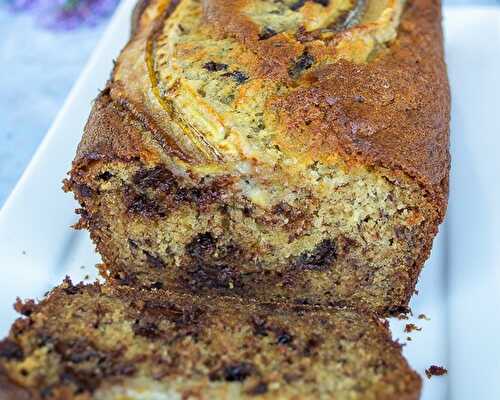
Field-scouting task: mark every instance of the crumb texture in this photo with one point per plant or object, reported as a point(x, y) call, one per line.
point(100, 342)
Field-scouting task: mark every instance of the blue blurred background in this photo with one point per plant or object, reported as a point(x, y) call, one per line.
point(43, 47)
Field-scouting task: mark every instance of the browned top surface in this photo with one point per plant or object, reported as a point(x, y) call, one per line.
point(392, 111)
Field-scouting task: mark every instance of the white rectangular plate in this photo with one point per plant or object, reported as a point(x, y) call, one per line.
point(459, 287)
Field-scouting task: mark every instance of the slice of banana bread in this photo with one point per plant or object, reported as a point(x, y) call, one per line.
point(283, 150)
point(103, 342)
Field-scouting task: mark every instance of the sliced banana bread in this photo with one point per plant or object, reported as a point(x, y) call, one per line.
point(283, 150)
point(103, 342)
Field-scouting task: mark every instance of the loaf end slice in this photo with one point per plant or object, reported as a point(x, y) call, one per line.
point(102, 342)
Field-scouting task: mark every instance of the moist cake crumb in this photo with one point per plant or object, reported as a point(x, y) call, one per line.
point(95, 342)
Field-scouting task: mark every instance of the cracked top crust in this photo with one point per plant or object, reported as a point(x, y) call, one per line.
point(215, 83)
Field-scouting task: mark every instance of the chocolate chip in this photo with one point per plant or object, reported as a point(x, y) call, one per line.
point(139, 203)
point(267, 32)
point(105, 176)
point(156, 285)
point(214, 67)
point(154, 260)
point(284, 338)
point(81, 353)
point(202, 246)
point(300, 3)
point(158, 177)
point(297, 5)
point(238, 76)
point(305, 61)
point(238, 372)
point(260, 388)
point(144, 327)
point(10, 350)
point(77, 351)
point(323, 255)
point(84, 190)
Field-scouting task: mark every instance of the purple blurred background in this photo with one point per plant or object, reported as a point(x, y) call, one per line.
point(64, 14)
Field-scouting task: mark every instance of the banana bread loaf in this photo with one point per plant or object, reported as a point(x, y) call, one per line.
point(103, 342)
point(286, 150)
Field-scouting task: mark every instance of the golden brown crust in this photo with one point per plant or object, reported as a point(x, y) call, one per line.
point(98, 144)
point(115, 130)
point(272, 57)
point(137, 14)
point(392, 111)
